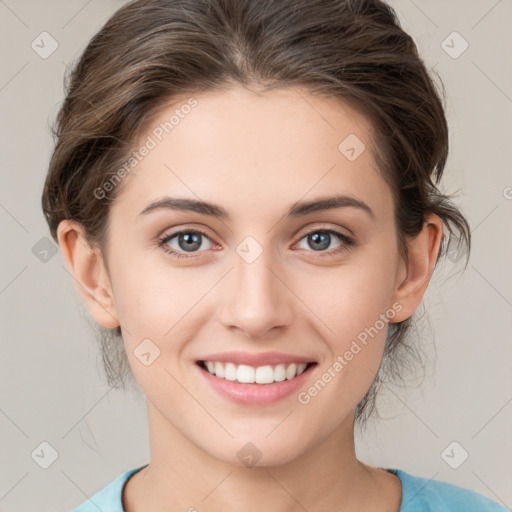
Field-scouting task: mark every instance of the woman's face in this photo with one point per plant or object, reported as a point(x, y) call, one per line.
point(262, 287)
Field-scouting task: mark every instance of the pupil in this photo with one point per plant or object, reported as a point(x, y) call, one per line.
point(192, 241)
point(316, 238)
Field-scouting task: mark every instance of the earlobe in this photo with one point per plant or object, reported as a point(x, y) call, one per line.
point(422, 257)
point(88, 269)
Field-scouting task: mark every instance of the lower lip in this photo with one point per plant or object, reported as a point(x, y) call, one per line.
point(255, 394)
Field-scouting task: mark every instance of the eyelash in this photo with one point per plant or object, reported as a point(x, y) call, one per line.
point(348, 242)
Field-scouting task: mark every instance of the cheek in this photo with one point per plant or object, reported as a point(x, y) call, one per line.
point(159, 302)
point(354, 306)
point(146, 294)
point(354, 323)
point(155, 305)
point(349, 298)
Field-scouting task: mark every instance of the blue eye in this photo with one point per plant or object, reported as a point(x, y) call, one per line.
point(320, 239)
point(190, 241)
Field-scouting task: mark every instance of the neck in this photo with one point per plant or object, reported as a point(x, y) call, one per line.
point(182, 476)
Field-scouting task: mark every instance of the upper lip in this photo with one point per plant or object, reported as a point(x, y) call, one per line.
point(261, 359)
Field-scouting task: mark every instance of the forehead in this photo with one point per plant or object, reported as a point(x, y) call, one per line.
point(250, 150)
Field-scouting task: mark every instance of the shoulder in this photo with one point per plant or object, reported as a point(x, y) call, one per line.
point(428, 495)
point(108, 498)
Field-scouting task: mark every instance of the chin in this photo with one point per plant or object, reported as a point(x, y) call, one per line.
point(258, 453)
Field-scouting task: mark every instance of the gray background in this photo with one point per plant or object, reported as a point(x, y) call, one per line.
point(52, 390)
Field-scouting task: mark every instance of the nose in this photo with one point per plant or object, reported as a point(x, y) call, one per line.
point(257, 301)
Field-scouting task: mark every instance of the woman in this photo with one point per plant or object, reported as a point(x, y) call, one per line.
point(246, 195)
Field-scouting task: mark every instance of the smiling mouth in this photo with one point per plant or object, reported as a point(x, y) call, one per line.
point(245, 374)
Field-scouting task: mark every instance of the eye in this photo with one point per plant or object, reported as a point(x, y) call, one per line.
point(189, 240)
point(320, 239)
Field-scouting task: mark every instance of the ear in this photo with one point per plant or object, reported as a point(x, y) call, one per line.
point(415, 273)
point(89, 271)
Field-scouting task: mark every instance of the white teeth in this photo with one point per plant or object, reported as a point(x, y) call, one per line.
point(219, 370)
point(291, 371)
point(279, 373)
point(264, 375)
point(300, 368)
point(261, 375)
point(245, 374)
point(230, 372)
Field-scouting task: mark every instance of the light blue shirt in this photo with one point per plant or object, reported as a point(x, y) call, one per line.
point(418, 495)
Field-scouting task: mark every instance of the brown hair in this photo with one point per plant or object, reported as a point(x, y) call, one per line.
point(151, 51)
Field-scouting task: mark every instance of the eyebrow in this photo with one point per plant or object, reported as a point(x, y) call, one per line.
point(298, 209)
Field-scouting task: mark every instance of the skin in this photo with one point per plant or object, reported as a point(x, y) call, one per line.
point(255, 155)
